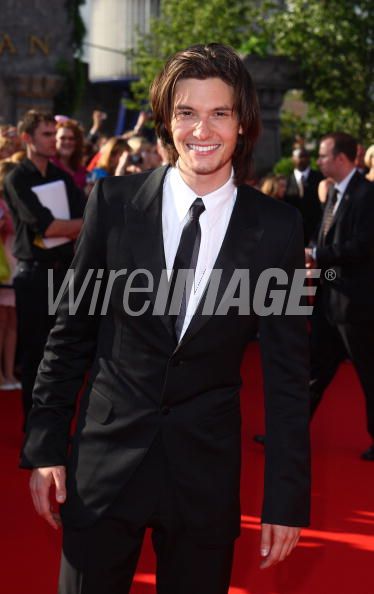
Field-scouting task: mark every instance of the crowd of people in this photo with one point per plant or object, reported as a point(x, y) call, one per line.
point(84, 157)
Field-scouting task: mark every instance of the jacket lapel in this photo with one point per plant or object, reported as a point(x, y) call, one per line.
point(144, 220)
point(344, 202)
point(243, 233)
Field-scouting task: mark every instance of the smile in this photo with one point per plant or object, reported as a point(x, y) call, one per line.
point(203, 149)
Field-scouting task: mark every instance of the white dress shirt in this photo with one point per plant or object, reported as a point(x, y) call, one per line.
point(301, 177)
point(177, 200)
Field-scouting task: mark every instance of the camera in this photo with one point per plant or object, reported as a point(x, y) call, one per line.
point(135, 159)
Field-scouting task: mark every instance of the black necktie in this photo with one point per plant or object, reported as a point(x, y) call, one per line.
point(186, 257)
point(329, 213)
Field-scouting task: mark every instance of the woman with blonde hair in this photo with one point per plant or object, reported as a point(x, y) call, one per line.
point(274, 186)
point(369, 162)
point(109, 157)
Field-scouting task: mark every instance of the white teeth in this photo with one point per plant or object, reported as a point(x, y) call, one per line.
point(203, 149)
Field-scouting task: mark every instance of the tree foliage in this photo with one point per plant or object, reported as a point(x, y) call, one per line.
point(333, 42)
point(184, 22)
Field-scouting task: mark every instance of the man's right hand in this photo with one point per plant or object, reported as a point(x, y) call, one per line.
point(40, 483)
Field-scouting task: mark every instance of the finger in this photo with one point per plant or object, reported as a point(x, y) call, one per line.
point(279, 536)
point(265, 545)
point(38, 485)
point(34, 496)
point(273, 557)
point(48, 516)
point(59, 476)
point(57, 518)
point(293, 544)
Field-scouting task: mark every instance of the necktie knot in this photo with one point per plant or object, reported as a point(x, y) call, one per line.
point(196, 209)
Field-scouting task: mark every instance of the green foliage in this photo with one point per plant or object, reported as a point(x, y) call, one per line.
point(284, 166)
point(185, 22)
point(333, 42)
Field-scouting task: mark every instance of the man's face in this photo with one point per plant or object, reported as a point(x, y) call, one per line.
point(327, 161)
point(205, 129)
point(300, 159)
point(43, 141)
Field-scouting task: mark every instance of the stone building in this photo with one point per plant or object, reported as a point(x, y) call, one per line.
point(35, 40)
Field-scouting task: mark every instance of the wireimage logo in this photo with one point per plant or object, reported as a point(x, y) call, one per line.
point(274, 293)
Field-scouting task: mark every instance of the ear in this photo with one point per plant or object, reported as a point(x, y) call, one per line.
point(26, 138)
point(240, 131)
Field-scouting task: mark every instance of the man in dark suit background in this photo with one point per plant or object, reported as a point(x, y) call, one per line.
point(343, 316)
point(158, 434)
point(302, 192)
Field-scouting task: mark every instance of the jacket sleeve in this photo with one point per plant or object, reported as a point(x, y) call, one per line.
point(285, 359)
point(70, 348)
point(359, 246)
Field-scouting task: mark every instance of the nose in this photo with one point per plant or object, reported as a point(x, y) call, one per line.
point(202, 129)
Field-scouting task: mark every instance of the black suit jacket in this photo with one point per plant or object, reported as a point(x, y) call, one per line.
point(309, 204)
point(348, 250)
point(143, 383)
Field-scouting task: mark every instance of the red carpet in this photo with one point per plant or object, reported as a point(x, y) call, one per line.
point(335, 555)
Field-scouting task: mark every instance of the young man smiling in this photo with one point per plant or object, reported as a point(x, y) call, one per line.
point(157, 442)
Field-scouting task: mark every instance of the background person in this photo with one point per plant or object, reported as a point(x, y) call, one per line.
point(33, 222)
point(274, 186)
point(369, 162)
point(302, 191)
point(69, 151)
point(8, 318)
point(343, 315)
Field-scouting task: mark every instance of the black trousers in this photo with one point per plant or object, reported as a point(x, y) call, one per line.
point(34, 321)
point(330, 345)
point(102, 558)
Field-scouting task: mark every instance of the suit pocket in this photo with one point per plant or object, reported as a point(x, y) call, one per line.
point(223, 424)
point(99, 407)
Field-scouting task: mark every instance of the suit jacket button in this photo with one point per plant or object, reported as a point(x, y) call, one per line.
point(165, 410)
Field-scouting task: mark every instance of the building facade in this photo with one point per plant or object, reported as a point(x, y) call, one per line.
point(35, 42)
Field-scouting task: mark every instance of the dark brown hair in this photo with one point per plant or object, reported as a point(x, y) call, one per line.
point(214, 60)
point(32, 119)
point(343, 143)
point(75, 128)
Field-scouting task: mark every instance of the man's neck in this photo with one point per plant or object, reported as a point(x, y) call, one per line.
point(343, 174)
point(39, 161)
point(202, 185)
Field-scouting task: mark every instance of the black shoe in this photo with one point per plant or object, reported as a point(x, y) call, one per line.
point(368, 454)
point(259, 439)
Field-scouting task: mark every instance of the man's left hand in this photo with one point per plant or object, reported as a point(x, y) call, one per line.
point(277, 542)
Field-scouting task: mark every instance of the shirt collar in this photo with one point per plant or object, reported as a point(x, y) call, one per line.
point(32, 168)
point(301, 174)
point(214, 202)
point(342, 185)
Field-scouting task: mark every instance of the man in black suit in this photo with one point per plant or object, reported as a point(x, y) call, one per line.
point(302, 192)
point(343, 316)
point(157, 441)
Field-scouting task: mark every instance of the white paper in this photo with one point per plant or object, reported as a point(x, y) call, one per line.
point(54, 197)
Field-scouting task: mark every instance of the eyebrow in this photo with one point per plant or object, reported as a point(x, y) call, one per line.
point(219, 108)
